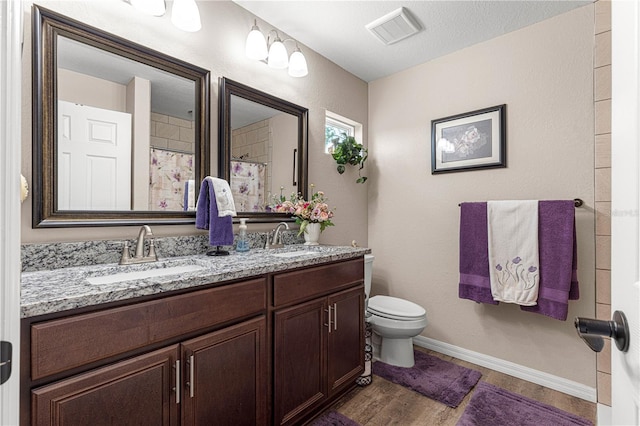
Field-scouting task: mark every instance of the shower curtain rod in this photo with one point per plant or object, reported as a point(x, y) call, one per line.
point(577, 202)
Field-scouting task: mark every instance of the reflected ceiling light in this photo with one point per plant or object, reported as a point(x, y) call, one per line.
point(185, 15)
point(274, 52)
point(150, 7)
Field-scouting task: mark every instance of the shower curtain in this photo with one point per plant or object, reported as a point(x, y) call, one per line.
point(247, 185)
point(168, 173)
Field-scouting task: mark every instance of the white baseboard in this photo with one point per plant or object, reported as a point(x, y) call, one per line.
point(521, 372)
point(604, 415)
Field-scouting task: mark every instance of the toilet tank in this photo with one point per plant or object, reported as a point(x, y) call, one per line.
point(368, 269)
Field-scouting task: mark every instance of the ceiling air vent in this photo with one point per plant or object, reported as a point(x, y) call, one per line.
point(394, 26)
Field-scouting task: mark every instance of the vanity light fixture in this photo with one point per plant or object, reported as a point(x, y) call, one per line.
point(274, 52)
point(185, 15)
point(256, 45)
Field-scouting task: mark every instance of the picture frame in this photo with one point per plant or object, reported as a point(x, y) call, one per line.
point(470, 141)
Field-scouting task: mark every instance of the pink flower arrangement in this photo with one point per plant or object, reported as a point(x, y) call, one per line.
point(316, 210)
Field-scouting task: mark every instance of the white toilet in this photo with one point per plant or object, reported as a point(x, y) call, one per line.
point(395, 322)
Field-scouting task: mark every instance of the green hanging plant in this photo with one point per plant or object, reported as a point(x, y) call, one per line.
point(348, 151)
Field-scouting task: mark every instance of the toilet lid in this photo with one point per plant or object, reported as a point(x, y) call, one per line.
point(395, 308)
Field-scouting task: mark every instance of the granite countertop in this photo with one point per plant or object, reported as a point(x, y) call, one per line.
point(45, 292)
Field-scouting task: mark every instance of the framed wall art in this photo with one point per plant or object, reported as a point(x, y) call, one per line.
point(470, 141)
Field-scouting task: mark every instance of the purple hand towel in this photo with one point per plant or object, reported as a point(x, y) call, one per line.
point(474, 254)
point(558, 259)
point(220, 228)
point(557, 255)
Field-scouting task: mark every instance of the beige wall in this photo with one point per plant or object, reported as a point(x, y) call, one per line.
point(544, 73)
point(219, 47)
point(284, 128)
point(86, 90)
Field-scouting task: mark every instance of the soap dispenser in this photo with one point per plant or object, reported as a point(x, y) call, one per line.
point(243, 242)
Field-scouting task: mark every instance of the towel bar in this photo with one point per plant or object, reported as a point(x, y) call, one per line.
point(576, 202)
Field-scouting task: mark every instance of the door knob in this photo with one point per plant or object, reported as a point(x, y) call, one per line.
point(592, 330)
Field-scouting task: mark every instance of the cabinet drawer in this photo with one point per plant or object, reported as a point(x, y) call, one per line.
point(297, 286)
point(66, 343)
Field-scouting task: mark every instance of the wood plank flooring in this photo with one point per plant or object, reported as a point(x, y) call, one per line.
point(385, 403)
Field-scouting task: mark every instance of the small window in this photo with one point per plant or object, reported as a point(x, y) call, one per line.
point(333, 131)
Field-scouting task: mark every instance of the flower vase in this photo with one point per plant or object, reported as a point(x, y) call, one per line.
point(311, 234)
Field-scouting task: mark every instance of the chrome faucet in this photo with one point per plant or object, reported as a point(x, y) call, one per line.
point(277, 238)
point(139, 257)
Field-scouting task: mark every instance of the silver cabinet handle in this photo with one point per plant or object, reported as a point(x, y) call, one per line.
point(191, 378)
point(335, 316)
point(177, 388)
point(329, 318)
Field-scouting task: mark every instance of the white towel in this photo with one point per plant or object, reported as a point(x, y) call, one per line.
point(514, 267)
point(190, 195)
point(224, 198)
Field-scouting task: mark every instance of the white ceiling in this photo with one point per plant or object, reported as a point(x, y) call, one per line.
point(336, 29)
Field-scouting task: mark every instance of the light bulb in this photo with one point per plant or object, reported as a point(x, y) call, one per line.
point(298, 64)
point(185, 15)
point(278, 57)
point(256, 46)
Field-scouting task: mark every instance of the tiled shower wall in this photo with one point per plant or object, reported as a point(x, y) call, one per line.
point(172, 133)
point(602, 104)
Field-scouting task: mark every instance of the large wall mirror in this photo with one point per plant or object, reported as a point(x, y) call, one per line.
point(120, 131)
point(262, 149)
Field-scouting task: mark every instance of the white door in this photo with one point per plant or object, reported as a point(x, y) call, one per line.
point(10, 104)
point(94, 158)
point(625, 214)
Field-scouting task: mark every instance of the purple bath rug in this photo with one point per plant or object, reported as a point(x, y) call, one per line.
point(432, 377)
point(494, 406)
point(333, 418)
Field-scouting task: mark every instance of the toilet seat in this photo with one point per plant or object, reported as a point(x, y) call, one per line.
point(395, 308)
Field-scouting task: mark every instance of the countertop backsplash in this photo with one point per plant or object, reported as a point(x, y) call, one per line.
point(47, 256)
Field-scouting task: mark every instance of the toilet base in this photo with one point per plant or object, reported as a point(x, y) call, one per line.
point(398, 352)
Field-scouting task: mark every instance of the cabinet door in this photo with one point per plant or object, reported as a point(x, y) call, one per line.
point(225, 378)
point(345, 360)
point(299, 359)
point(138, 391)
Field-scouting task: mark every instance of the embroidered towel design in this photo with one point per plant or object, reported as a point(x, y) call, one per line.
point(514, 266)
point(224, 198)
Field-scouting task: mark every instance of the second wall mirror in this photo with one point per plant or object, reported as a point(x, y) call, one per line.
point(262, 149)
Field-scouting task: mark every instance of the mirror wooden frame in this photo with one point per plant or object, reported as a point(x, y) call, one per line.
point(229, 87)
point(47, 25)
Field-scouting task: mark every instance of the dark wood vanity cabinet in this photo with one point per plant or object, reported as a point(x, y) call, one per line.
point(318, 341)
point(226, 382)
point(271, 350)
point(135, 391)
point(217, 377)
point(221, 377)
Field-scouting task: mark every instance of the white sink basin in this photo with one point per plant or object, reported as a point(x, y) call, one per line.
point(136, 275)
point(294, 253)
